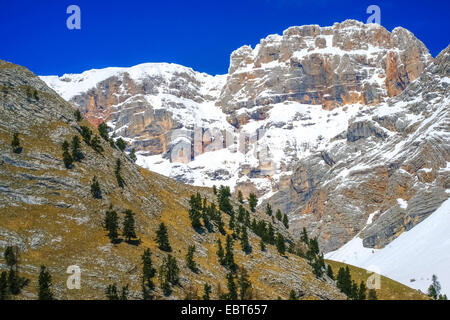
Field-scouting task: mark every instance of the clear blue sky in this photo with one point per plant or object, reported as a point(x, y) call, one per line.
point(198, 34)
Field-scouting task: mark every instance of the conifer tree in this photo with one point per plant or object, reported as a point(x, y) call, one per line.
point(286, 221)
point(132, 155)
point(103, 131)
point(190, 259)
point(96, 144)
point(95, 189)
point(304, 236)
point(215, 189)
point(86, 133)
point(78, 116)
point(240, 197)
point(121, 144)
point(229, 255)
point(220, 252)
point(269, 209)
point(195, 210)
point(245, 286)
point(148, 272)
point(279, 215)
point(362, 292)
point(4, 292)
point(67, 156)
point(292, 295)
point(169, 269)
point(244, 240)
point(224, 199)
point(128, 230)
point(252, 202)
point(281, 246)
point(232, 289)
point(162, 238)
point(45, 284)
point(10, 257)
point(112, 224)
point(330, 272)
point(77, 155)
point(124, 293)
point(206, 292)
point(111, 292)
point(117, 172)
point(15, 144)
point(262, 245)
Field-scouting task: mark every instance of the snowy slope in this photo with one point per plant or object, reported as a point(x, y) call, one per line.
point(416, 254)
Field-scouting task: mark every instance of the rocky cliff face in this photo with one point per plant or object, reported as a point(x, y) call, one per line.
point(47, 211)
point(316, 121)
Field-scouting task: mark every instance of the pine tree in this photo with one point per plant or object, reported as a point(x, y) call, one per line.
point(132, 155)
point(112, 224)
point(215, 189)
point(286, 221)
point(128, 230)
point(169, 269)
point(232, 289)
point(244, 240)
point(111, 292)
point(278, 215)
point(96, 144)
point(10, 257)
point(103, 131)
point(362, 291)
point(148, 272)
point(15, 144)
point(121, 144)
point(330, 272)
point(224, 200)
point(229, 256)
point(269, 210)
point(95, 189)
point(14, 282)
point(78, 116)
point(220, 252)
point(162, 238)
point(245, 286)
point(45, 284)
point(240, 197)
point(252, 201)
point(4, 292)
point(86, 133)
point(195, 210)
point(124, 293)
point(206, 292)
point(77, 155)
point(292, 295)
point(372, 295)
point(354, 291)
point(304, 236)
point(117, 170)
point(190, 259)
point(262, 245)
point(67, 156)
point(281, 246)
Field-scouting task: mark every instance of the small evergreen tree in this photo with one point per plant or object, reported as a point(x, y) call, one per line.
point(95, 189)
point(77, 155)
point(292, 295)
point(15, 144)
point(278, 215)
point(252, 201)
point(10, 257)
point(103, 131)
point(191, 264)
point(229, 256)
point(45, 284)
point(281, 246)
point(133, 155)
point(220, 252)
point(117, 173)
point(148, 272)
point(286, 221)
point(78, 116)
point(169, 271)
point(111, 292)
point(124, 293)
point(195, 210)
point(162, 238)
point(245, 286)
point(121, 144)
point(112, 224)
point(304, 236)
point(232, 289)
point(215, 189)
point(362, 293)
point(240, 197)
point(128, 226)
point(96, 144)
point(244, 240)
point(269, 209)
point(206, 292)
point(67, 156)
point(86, 133)
point(330, 273)
point(4, 292)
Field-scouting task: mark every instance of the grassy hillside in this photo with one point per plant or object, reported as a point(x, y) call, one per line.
point(389, 289)
point(48, 212)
